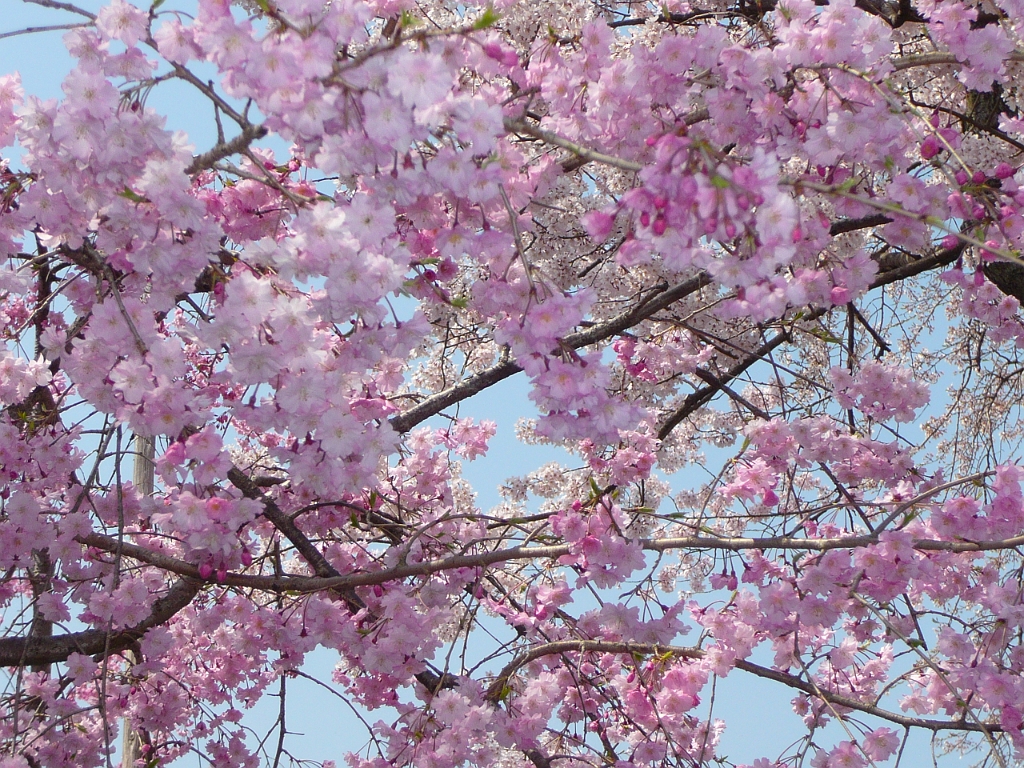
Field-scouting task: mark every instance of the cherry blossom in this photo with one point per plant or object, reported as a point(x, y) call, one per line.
point(758, 269)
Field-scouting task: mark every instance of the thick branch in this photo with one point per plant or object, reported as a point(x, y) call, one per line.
point(941, 258)
point(287, 527)
point(19, 651)
point(702, 396)
point(436, 403)
point(249, 134)
point(853, 225)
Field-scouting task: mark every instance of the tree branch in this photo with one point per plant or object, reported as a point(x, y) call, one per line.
point(20, 651)
point(307, 584)
point(249, 134)
point(702, 396)
point(287, 527)
point(590, 155)
point(475, 384)
point(497, 687)
point(436, 403)
point(62, 7)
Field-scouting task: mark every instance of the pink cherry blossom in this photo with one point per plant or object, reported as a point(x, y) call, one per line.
point(744, 285)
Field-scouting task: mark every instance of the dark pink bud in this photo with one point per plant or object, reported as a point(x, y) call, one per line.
point(222, 575)
point(205, 571)
point(598, 224)
point(979, 177)
point(930, 147)
point(840, 295)
point(961, 177)
point(1003, 171)
point(246, 558)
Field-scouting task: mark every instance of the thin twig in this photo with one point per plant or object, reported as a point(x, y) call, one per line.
point(49, 28)
point(62, 7)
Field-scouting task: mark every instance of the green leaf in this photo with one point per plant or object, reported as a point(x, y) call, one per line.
point(135, 197)
point(459, 302)
point(407, 20)
point(487, 19)
point(720, 182)
point(824, 335)
point(849, 184)
point(156, 4)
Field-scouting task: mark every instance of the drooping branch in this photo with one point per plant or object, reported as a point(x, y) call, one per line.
point(299, 584)
point(500, 683)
